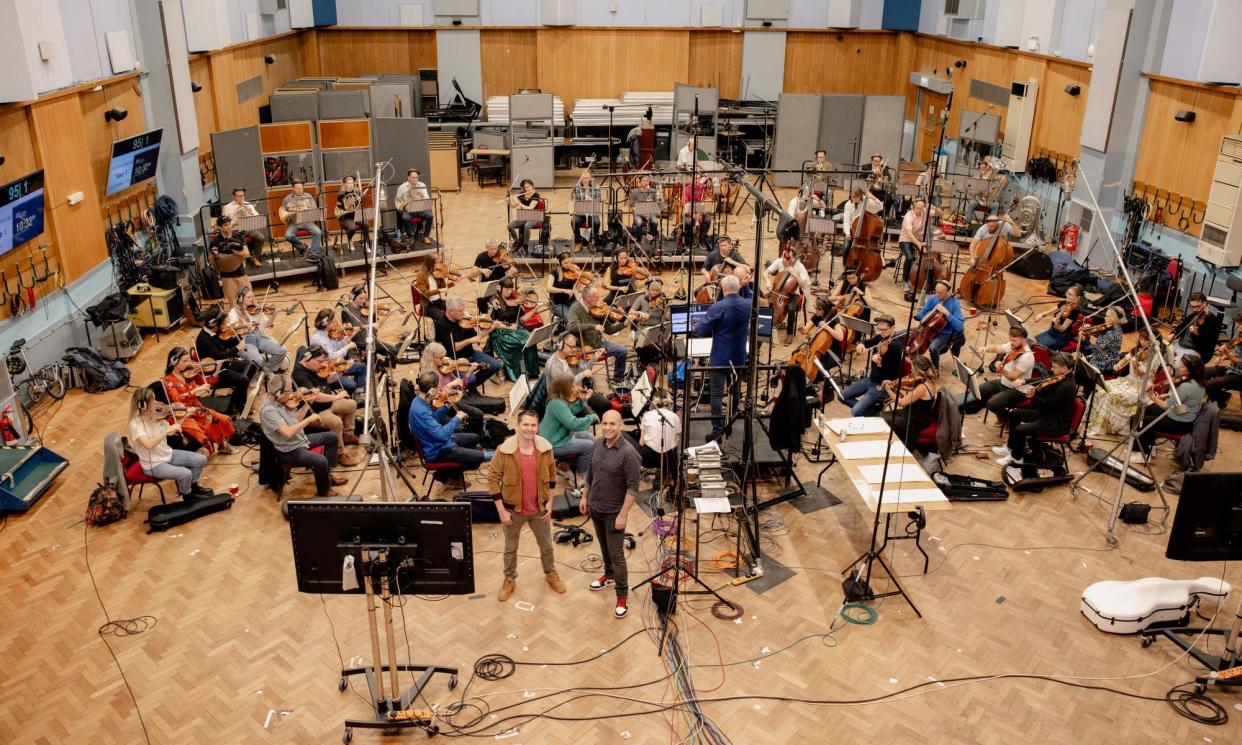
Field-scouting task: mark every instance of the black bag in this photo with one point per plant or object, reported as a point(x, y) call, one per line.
point(212, 288)
point(1031, 477)
point(326, 277)
point(482, 506)
point(1113, 465)
point(96, 372)
point(1231, 421)
point(565, 504)
point(1034, 264)
point(164, 516)
point(969, 489)
point(163, 276)
point(1061, 283)
point(495, 432)
point(104, 507)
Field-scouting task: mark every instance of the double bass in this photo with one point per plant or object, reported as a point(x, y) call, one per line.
point(983, 284)
point(866, 236)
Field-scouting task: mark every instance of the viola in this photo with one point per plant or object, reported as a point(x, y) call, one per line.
point(381, 310)
point(578, 275)
point(471, 322)
point(897, 386)
point(607, 312)
point(1162, 386)
point(344, 331)
point(294, 399)
point(255, 309)
point(575, 357)
point(1047, 382)
point(449, 366)
point(441, 397)
point(503, 258)
point(229, 330)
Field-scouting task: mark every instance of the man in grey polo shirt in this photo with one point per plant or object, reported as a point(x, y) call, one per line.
point(283, 418)
point(611, 488)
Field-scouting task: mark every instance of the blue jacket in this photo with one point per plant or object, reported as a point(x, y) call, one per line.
point(425, 424)
point(956, 322)
point(728, 323)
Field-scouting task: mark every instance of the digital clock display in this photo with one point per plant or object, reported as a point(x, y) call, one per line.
point(133, 160)
point(21, 211)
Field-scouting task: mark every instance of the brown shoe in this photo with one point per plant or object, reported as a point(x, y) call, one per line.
point(349, 438)
point(554, 581)
point(426, 241)
point(506, 589)
point(339, 481)
point(347, 460)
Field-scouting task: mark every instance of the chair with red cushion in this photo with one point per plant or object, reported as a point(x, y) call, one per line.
point(444, 471)
point(1062, 440)
point(135, 476)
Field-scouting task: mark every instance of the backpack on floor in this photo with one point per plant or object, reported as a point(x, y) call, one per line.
point(104, 506)
point(94, 372)
point(326, 276)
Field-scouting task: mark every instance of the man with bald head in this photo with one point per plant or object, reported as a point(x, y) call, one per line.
point(610, 491)
point(727, 322)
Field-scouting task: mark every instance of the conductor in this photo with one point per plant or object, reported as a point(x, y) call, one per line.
point(727, 322)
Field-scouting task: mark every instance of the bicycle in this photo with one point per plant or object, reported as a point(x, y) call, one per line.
point(46, 381)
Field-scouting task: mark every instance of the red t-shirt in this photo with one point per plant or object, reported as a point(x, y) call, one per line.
point(527, 464)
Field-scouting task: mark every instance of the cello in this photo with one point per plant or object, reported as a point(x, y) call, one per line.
point(812, 349)
point(983, 284)
point(866, 233)
point(784, 286)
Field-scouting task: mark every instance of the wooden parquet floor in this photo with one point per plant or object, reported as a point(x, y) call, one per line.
point(238, 656)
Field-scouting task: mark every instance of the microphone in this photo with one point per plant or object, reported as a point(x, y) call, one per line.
point(289, 311)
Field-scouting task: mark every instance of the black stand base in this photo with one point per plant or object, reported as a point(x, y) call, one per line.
point(861, 588)
point(386, 706)
point(1184, 638)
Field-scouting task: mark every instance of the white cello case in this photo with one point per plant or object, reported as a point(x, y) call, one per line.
point(1129, 607)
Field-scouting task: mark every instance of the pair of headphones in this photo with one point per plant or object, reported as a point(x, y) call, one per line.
point(323, 319)
point(144, 398)
point(354, 293)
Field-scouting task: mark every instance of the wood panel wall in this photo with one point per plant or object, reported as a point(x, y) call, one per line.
point(510, 61)
point(1177, 159)
point(875, 62)
point(240, 62)
point(350, 52)
point(1058, 115)
point(602, 63)
point(715, 61)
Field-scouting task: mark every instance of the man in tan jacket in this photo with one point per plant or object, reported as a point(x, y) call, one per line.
point(523, 473)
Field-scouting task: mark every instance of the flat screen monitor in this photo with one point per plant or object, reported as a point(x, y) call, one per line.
point(430, 542)
point(1208, 523)
point(681, 315)
point(133, 160)
point(21, 211)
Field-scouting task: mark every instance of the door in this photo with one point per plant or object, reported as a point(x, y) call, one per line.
point(927, 123)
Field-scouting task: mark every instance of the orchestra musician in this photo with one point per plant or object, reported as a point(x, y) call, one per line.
point(356, 313)
point(149, 429)
point(1180, 419)
point(1064, 316)
point(238, 208)
point(1227, 376)
point(567, 424)
point(914, 408)
point(924, 183)
point(1103, 351)
point(646, 226)
point(508, 309)
point(787, 262)
point(336, 409)
point(943, 301)
point(586, 191)
point(1017, 362)
point(229, 255)
point(568, 359)
point(430, 287)
point(294, 203)
point(333, 337)
point(648, 312)
point(1115, 403)
point(183, 383)
point(1049, 415)
point(284, 419)
point(866, 394)
point(910, 241)
point(1200, 329)
point(723, 259)
point(436, 429)
point(1004, 224)
point(529, 199)
point(449, 377)
point(687, 154)
point(414, 190)
point(459, 339)
point(491, 265)
point(852, 207)
point(252, 320)
point(985, 202)
point(691, 194)
point(349, 210)
point(820, 164)
point(590, 329)
point(853, 284)
point(727, 323)
point(233, 371)
point(620, 275)
point(561, 284)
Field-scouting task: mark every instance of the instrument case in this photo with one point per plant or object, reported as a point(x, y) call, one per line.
point(1031, 477)
point(161, 517)
point(1130, 607)
point(1112, 466)
point(969, 489)
point(482, 506)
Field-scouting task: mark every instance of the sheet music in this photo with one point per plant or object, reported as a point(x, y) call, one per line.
point(901, 471)
point(870, 449)
point(869, 425)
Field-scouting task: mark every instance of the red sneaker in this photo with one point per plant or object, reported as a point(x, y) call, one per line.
point(621, 609)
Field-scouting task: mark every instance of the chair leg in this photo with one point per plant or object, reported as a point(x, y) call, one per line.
point(160, 487)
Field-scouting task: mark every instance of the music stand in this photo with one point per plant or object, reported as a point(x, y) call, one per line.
point(490, 289)
point(967, 376)
point(627, 301)
point(1014, 321)
point(349, 547)
point(647, 208)
point(537, 337)
point(655, 336)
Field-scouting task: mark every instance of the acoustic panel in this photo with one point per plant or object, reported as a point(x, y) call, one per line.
point(534, 162)
point(459, 57)
point(404, 141)
point(1110, 46)
point(338, 104)
point(294, 106)
point(239, 161)
point(763, 65)
point(982, 90)
point(883, 120)
point(250, 89)
point(980, 126)
point(840, 127)
point(530, 107)
point(178, 72)
point(390, 100)
point(685, 98)
point(797, 125)
point(337, 164)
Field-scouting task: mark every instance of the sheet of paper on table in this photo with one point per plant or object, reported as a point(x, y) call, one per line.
point(711, 505)
point(898, 471)
point(870, 449)
point(858, 426)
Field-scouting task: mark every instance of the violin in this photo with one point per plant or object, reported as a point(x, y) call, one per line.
point(1068, 307)
point(255, 309)
point(503, 258)
point(334, 366)
point(294, 399)
point(1087, 332)
point(1223, 351)
point(207, 366)
point(897, 386)
point(1161, 387)
point(380, 310)
point(164, 410)
point(577, 394)
point(442, 397)
point(575, 357)
point(450, 366)
point(607, 312)
point(229, 330)
point(1200, 317)
point(345, 331)
point(447, 272)
point(578, 274)
point(1047, 382)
